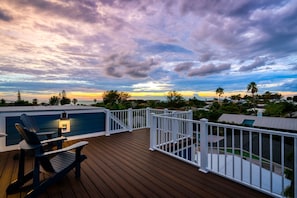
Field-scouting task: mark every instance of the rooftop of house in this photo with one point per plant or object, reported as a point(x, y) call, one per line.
point(278, 123)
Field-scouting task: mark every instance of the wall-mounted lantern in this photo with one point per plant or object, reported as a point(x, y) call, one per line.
point(64, 123)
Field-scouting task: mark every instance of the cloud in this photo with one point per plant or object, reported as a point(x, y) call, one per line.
point(209, 69)
point(205, 57)
point(258, 62)
point(183, 66)
point(163, 47)
point(119, 65)
point(109, 43)
point(224, 7)
point(4, 16)
point(152, 86)
point(75, 10)
point(112, 71)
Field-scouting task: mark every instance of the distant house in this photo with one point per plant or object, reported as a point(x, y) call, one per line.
point(276, 123)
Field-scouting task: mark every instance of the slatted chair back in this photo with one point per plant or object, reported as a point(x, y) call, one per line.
point(32, 140)
point(29, 123)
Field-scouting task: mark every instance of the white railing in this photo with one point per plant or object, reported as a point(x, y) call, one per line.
point(131, 119)
point(260, 159)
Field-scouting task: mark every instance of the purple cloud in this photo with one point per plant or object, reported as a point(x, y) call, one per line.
point(257, 63)
point(119, 65)
point(183, 66)
point(209, 69)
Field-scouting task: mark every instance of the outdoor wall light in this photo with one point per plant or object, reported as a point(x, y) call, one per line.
point(64, 123)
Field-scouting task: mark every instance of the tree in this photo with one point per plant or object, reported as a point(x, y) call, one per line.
point(19, 96)
point(111, 97)
point(124, 96)
point(64, 99)
point(220, 92)
point(74, 101)
point(2, 101)
point(280, 109)
point(252, 87)
point(115, 100)
point(267, 96)
point(289, 98)
point(175, 99)
point(35, 101)
point(236, 97)
point(54, 100)
point(63, 94)
point(195, 102)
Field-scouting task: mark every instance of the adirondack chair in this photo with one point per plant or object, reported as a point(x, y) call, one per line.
point(57, 163)
point(31, 125)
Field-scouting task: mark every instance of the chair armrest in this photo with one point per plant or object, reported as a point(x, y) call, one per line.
point(77, 145)
point(46, 133)
point(57, 139)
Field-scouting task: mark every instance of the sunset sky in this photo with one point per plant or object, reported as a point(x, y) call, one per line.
point(146, 47)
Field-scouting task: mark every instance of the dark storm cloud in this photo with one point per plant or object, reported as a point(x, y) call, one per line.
point(209, 69)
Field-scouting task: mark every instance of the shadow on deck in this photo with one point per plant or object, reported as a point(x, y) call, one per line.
point(122, 166)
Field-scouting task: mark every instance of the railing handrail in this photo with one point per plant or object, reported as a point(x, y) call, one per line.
point(254, 129)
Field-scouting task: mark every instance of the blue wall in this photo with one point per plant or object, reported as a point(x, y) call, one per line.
point(80, 123)
point(84, 123)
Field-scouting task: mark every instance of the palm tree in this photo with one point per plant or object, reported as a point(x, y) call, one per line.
point(74, 100)
point(252, 87)
point(220, 92)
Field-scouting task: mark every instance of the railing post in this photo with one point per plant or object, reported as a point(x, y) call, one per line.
point(107, 122)
point(153, 132)
point(165, 111)
point(295, 167)
point(174, 127)
point(130, 120)
point(148, 117)
point(3, 131)
point(203, 145)
point(189, 124)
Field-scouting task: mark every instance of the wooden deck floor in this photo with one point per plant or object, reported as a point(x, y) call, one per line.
point(122, 166)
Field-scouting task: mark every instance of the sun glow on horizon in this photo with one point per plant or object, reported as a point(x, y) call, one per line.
point(92, 96)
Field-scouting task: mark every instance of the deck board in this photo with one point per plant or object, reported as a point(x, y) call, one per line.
point(121, 165)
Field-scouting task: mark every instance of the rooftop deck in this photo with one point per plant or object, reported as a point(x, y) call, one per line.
point(121, 165)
